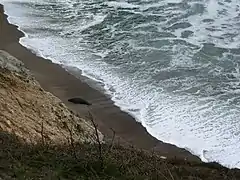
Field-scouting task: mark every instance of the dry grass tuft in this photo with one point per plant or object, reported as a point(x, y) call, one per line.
point(20, 160)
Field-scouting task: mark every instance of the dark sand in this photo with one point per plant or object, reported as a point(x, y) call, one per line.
point(58, 81)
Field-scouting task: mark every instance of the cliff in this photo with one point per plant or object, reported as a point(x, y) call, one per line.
point(34, 115)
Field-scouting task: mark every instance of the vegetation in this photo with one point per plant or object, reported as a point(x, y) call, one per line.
point(19, 160)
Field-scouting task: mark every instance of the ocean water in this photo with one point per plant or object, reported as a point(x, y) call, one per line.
point(173, 64)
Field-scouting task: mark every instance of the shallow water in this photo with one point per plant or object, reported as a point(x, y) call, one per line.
point(173, 64)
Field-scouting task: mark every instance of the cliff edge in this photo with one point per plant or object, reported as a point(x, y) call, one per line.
point(34, 115)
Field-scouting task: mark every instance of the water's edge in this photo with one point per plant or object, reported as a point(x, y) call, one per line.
point(96, 84)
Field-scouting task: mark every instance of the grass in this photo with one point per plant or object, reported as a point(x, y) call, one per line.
point(22, 161)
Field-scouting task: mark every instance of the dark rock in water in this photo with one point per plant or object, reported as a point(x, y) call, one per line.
point(186, 34)
point(78, 100)
point(207, 20)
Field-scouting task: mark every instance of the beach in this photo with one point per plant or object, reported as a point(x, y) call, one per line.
point(108, 117)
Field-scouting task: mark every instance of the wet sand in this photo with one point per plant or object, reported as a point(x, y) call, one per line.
point(55, 79)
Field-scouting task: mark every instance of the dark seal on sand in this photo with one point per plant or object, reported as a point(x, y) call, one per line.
point(79, 100)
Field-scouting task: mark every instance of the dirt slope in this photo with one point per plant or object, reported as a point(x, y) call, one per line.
point(33, 114)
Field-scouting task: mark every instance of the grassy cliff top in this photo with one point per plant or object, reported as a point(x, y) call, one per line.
point(26, 161)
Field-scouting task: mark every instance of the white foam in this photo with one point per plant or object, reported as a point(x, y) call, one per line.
point(98, 19)
point(228, 20)
point(121, 4)
point(174, 1)
point(212, 8)
point(225, 16)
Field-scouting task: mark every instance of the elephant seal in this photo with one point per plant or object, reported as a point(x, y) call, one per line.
point(79, 100)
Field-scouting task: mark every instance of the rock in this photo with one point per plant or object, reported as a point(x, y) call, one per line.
point(79, 100)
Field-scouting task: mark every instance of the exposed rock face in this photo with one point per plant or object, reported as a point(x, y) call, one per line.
point(34, 114)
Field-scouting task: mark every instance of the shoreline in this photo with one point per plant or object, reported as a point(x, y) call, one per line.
point(55, 79)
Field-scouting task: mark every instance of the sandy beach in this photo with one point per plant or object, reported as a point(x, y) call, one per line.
point(55, 79)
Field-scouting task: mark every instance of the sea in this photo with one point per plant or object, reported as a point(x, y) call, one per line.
point(172, 64)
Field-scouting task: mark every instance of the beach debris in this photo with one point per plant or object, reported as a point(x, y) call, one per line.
point(79, 100)
point(163, 157)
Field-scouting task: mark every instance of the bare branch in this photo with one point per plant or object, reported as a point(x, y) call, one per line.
point(97, 138)
point(71, 141)
point(42, 134)
point(112, 141)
